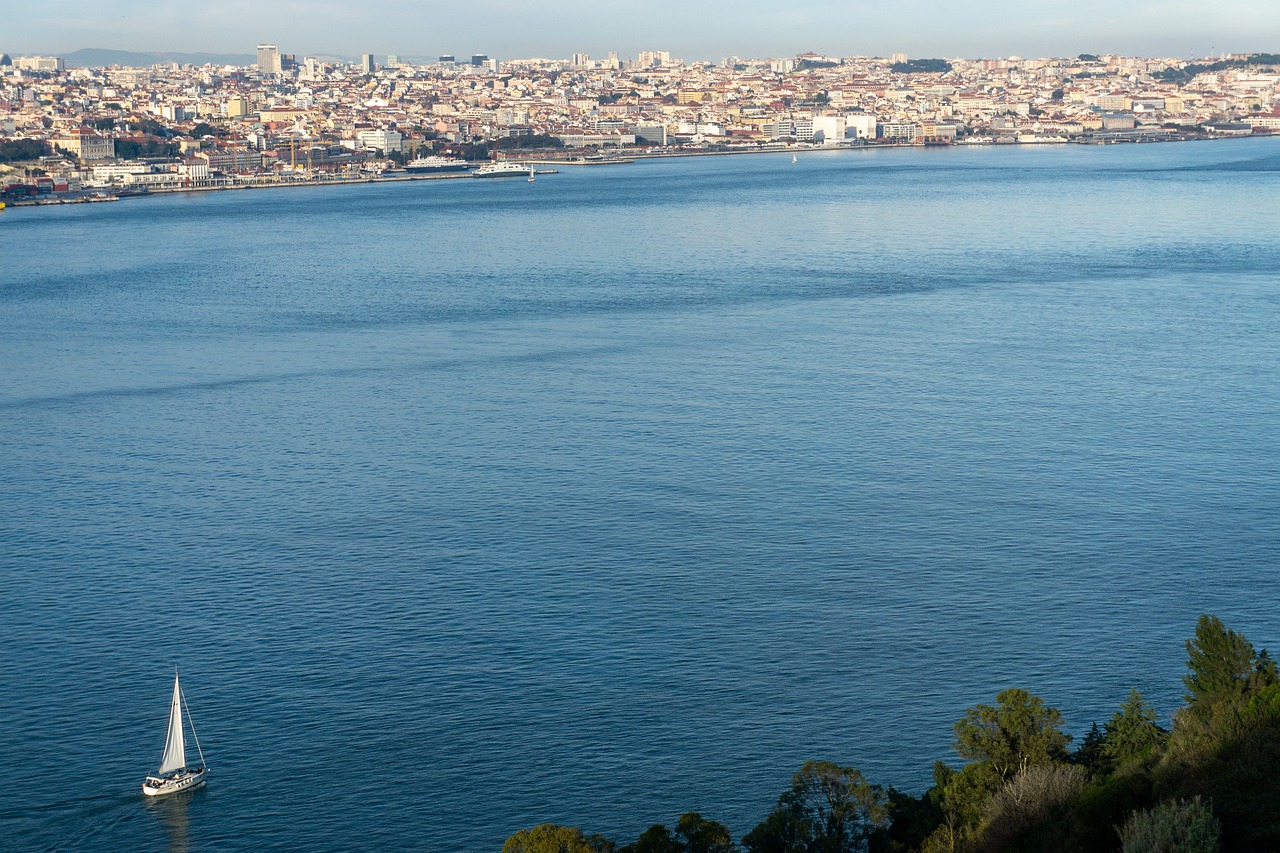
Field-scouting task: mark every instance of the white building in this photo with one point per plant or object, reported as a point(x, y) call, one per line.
point(385, 141)
point(133, 78)
point(859, 126)
point(268, 59)
point(828, 130)
point(86, 143)
point(653, 59)
point(108, 172)
point(39, 63)
point(899, 131)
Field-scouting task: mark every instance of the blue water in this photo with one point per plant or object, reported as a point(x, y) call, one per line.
point(468, 505)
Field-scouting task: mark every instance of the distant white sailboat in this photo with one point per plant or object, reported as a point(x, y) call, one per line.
point(793, 159)
point(174, 775)
point(531, 177)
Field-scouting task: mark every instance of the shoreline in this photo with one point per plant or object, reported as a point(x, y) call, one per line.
point(100, 195)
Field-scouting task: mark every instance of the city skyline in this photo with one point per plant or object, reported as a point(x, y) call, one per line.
point(999, 28)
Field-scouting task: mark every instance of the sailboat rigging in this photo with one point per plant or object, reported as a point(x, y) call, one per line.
point(174, 774)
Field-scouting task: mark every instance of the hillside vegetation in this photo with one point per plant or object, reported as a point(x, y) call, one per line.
point(1210, 782)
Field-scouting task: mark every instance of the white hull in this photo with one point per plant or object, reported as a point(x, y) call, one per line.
point(185, 780)
point(500, 172)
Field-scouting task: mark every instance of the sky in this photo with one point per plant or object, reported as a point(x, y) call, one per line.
point(701, 29)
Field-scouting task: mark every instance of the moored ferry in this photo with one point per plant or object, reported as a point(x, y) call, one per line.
point(501, 170)
point(435, 164)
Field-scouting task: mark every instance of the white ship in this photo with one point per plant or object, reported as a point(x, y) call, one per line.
point(174, 775)
point(435, 164)
point(500, 170)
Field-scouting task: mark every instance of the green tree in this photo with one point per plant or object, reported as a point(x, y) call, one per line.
point(911, 821)
point(535, 141)
point(1223, 666)
point(151, 127)
point(963, 797)
point(552, 838)
point(19, 150)
point(127, 149)
point(828, 809)
point(1264, 673)
point(917, 66)
point(655, 839)
point(1019, 731)
point(1132, 733)
point(1182, 826)
point(693, 834)
point(1089, 754)
point(704, 836)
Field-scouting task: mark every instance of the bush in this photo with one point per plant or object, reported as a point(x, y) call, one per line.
point(1176, 826)
point(1036, 798)
point(552, 838)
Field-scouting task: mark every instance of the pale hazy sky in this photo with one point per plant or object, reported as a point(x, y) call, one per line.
point(691, 30)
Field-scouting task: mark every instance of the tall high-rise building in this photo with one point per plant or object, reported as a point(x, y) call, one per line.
point(581, 60)
point(653, 58)
point(479, 59)
point(268, 59)
point(366, 63)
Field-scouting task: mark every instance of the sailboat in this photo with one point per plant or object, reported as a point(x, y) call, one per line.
point(793, 158)
point(174, 775)
point(531, 177)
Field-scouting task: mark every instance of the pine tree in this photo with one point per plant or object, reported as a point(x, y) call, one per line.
point(1132, 731)
point(1221, 663)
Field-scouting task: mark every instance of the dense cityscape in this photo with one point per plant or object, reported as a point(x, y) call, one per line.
point(910, 486)
point(93, 132)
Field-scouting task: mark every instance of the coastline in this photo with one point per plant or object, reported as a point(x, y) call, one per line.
point(101, 194)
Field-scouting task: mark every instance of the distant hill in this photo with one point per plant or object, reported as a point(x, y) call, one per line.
point(96, 57)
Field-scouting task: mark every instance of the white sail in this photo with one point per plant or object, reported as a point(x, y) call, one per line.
point(175, 748)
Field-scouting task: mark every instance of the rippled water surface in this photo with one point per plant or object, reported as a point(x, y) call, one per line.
point(467, 505)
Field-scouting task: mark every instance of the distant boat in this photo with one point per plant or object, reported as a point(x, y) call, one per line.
point(531, 177)
point(500, 170)
point(435, 164)
point(174, 775)
point(793, 159)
